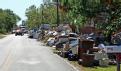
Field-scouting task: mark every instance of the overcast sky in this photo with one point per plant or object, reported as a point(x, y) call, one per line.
point(19, 6)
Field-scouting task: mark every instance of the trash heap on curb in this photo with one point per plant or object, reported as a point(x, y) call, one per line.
point(74, 47)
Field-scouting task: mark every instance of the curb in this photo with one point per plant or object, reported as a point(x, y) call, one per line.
point(68, 63)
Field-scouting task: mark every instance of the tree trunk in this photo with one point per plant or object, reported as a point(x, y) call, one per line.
point(109, 37)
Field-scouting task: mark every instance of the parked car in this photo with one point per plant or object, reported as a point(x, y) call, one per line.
point(18, 32)
point(13, 31)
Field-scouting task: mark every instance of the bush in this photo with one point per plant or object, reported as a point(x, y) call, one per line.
point(2, 31)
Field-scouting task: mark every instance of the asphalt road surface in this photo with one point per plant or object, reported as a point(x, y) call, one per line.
point(19, 53)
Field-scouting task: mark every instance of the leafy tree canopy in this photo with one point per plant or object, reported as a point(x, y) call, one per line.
point(8, 19)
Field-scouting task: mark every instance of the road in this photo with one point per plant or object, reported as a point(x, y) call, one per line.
point(19, 53)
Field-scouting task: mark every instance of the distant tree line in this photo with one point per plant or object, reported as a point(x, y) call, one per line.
point(8, 19)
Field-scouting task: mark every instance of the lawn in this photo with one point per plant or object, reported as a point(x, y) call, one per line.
point(97, 68)
point(2, 36)
point(110, 68)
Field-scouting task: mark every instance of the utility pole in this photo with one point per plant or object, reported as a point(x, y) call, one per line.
point(58, 20)
point(42, 14)
point(57, 7)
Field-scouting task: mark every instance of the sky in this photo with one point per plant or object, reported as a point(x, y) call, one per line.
point(19, 6)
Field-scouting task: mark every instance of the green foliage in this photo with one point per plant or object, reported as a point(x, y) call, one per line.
point(72, 8)
point(113, 18)
point(79, 13)
point(43, 14)
point(7, 20)
point(49, 14)
point(110, 68)
point(33, 16)
point(85, 10)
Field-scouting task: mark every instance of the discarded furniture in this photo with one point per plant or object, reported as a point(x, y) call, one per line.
point(87, 59)
point(73, 44)
point(61, 40)
point(65, 49)
point(84, 46)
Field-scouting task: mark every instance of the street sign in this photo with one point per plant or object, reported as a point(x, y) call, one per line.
point(113, 49)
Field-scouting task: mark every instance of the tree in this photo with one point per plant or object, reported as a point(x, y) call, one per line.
point(101, 14)
point(90, 10)
point(33, 16)
point(46, 13)
point(7, 20)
